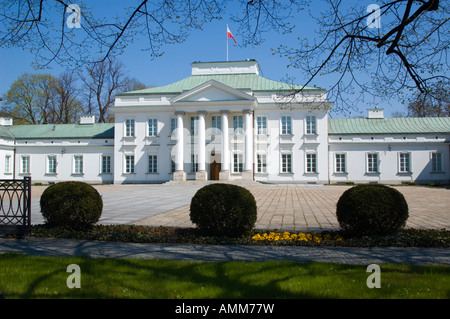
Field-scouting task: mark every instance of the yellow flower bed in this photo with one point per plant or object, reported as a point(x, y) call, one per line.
point(314, 237)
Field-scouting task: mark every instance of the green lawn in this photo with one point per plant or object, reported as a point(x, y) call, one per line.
point(45, 277)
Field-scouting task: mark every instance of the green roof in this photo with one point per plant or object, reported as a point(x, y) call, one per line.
point(413, 125)
point(245, 81)
point(61, 131)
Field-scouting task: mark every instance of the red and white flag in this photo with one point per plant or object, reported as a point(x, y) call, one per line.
point(230, 35)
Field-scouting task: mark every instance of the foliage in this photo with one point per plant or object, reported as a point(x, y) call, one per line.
point(73, 205)
point(435, 103)
point(174, 235)
point(223, 210)
point(43, 99)
point(401, 45)
point(371, 210)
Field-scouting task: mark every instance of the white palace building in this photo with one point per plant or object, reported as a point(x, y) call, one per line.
point(227, 122)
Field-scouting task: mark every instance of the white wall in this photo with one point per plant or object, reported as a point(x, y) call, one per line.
point(64, 151)
point(419, 148)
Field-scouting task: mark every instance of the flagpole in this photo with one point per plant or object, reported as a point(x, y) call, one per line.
point(227, 42)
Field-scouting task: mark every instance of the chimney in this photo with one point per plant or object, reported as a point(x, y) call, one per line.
point(375, 113)
point(87, 119)
point(6, 121)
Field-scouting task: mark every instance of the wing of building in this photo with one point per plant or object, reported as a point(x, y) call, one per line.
point(227, 122)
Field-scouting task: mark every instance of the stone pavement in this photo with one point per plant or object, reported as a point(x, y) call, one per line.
point(313, 208)
point(214, 253)
point(283, 207)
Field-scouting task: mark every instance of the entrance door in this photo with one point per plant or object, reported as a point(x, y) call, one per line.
point(214, 169)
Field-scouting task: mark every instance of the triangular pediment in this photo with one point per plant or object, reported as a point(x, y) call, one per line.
point(212, 91)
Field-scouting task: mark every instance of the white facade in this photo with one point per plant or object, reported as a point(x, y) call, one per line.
point(214, 131)
point(226, 122)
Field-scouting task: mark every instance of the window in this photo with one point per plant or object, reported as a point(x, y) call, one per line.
point(237, 163)
point(340, 163)
point(310, 125)
point(216, 125)
point(152, 164)
point(152, 127)
point(436, 162)
point(129, 164)
point(194, 125)
point(372, 163)
point(106, 164)
point(51, 164)
point(25, 165)
point(286, 163)
point(194, 163)
point(237, 124)
point(8, 164)
point(262, 163)
point(173, 124)
point(172, 158)
point(286, 127)
point(78, 164)
point(311, 163)
point(129, 128)
point(261, 121)
point(404, 161)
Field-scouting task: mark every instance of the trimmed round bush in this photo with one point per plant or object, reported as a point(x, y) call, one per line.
point(372, 210)
point(223, 210)
point(74, 205)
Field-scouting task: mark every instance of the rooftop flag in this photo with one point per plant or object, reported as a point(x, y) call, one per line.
point(230, 35)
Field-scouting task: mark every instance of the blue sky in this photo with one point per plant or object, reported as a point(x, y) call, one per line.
point(208, 44)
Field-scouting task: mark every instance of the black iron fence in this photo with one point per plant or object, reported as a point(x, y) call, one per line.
point(15, 205)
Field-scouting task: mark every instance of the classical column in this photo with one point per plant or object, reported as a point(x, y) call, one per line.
point(247, 174)
point(179, 174)
point(225, 165)
point(201, 143)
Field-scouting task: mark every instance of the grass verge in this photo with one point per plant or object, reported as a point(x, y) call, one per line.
point(45, 277)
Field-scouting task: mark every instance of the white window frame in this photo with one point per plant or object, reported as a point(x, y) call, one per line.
point(311, 163)
point(406, 169)
point(436, 167)
point(286, 165)
point(238, 124)
point(286, 127)
point(261, 126)
point(238, 162)
point(194, 163)
point(8, 164)
point(173, 124)
point(130, 128)
point(129, 164)
point(152, 127)
point(103, 166)
point(216, 124)
point(311, 125)
point(261, 163)
point(344, 163)
point(152, 163)
point(173, 164)
point(80, 169)
point(25, 169)
point(370, 170)
point(48, 164)
point(194, 125)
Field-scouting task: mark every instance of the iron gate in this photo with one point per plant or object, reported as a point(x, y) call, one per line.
point(15, 205)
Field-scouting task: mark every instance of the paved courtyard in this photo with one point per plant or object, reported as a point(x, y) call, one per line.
point(282, 207)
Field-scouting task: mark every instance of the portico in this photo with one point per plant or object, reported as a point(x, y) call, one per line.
point(207, 144)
